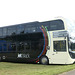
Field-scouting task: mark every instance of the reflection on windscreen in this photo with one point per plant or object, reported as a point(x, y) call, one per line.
point(72, 50)
point(73, 46)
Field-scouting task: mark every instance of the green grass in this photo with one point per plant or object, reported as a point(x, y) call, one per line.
point(7, 68)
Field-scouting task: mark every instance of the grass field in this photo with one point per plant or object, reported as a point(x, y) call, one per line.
point(8, 68)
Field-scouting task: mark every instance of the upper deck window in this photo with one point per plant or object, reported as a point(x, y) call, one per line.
point(30, 29)
point(0, 31)
point(12, 30)
point(20, 29)
point(5, 31)
point(53, 25)
point(56, 25)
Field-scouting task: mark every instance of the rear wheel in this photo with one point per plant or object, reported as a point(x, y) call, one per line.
point(0, 59)
point(44, 60)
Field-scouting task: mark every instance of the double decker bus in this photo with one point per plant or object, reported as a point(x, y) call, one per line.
point(48, 42)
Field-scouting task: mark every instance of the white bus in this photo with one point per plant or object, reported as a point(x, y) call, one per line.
point(49, 42)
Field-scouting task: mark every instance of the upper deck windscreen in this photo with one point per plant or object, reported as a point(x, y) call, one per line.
point(54, 25)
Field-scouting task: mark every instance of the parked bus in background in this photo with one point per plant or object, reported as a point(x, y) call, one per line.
point(48, 42)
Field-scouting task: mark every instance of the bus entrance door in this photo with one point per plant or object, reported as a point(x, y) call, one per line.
point(59, 52)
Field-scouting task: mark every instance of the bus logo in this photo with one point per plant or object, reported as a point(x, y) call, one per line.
point(23, 55)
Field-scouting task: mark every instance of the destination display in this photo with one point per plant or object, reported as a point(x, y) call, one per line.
point(60, 34)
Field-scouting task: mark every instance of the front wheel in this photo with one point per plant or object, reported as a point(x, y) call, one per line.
point(44, 60)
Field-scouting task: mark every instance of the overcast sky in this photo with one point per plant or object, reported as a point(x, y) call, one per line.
point(22, 11)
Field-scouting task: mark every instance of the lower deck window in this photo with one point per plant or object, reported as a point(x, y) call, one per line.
point(60, 45)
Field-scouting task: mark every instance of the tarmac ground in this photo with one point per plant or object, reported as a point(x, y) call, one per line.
point(69, 73)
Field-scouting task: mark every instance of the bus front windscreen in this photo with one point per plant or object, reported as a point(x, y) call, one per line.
point(72, 49)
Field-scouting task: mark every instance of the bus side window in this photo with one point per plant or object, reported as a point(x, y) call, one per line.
point(27, 30)
point(12, 30)
point(13, 46)
point(20, 29)
point(33, 29)
point(30, 29)
point(0, 31)
point(4, 47)
point(0, 47)
point(46, 25)
point(9, 47)
point(21, 46)
point(27, 45)
point(4, 31)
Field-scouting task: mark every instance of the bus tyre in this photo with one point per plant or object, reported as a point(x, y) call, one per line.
point(44, 60)
point(0, 59)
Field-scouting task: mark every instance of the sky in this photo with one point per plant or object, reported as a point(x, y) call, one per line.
point(23, 11)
